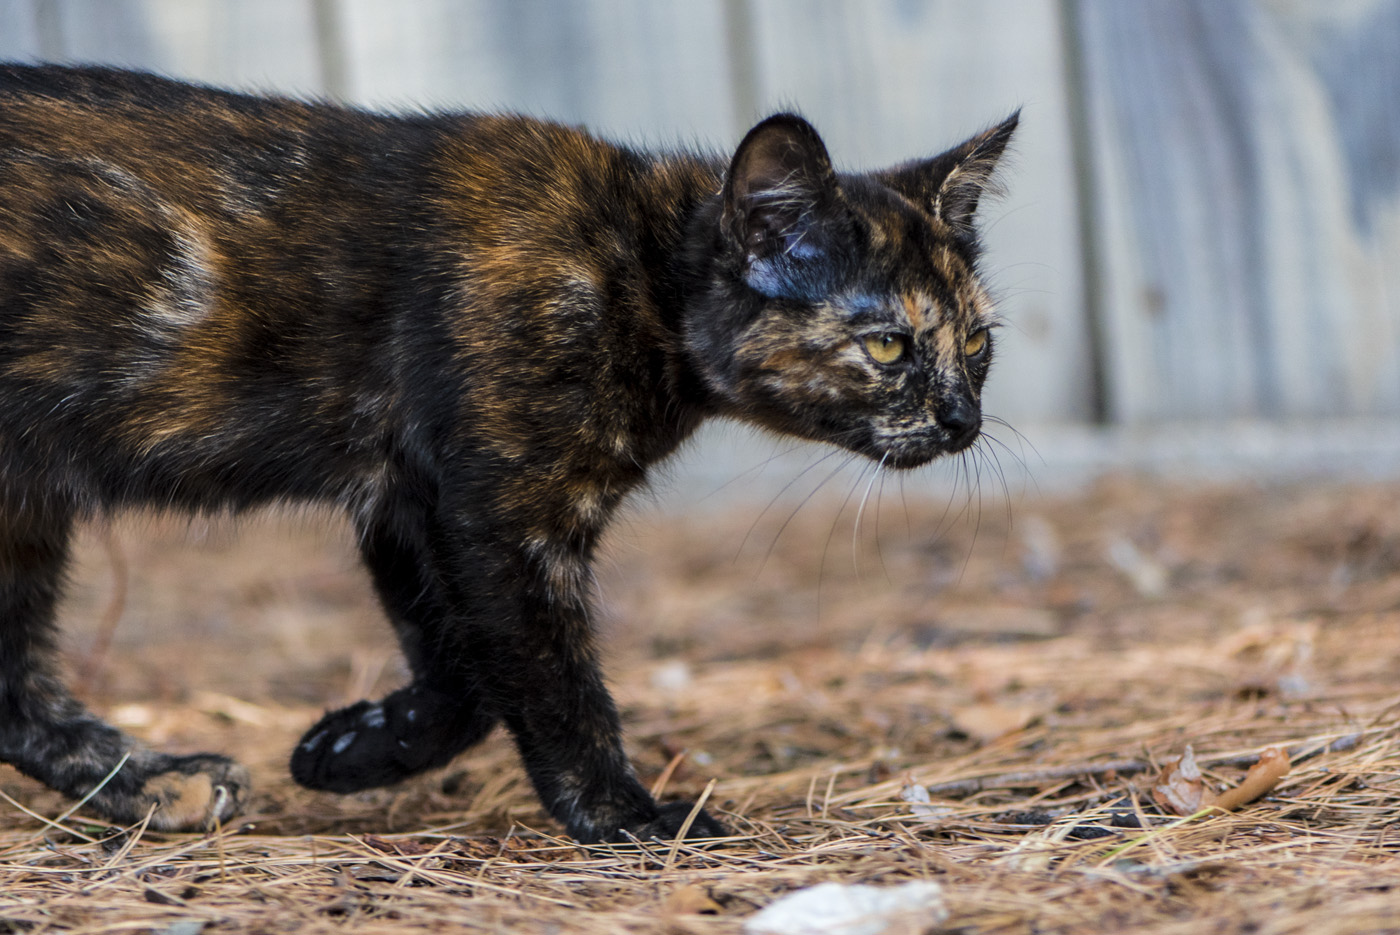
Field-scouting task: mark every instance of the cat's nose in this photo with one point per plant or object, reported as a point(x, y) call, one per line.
point(961, 419)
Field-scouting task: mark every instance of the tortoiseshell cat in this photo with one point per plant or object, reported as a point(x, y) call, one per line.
point(475, 334)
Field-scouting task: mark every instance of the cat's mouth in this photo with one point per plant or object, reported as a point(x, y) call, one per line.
point(915, 449)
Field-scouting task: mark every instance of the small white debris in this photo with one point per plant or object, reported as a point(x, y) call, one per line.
point(1041, 556)
point(673, 676)
point(184, 927)
point(132, 715)
point(920, 806)
point(853, 909)
point(1148, 576)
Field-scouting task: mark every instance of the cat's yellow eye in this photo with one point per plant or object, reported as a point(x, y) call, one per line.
point(885, 348)
point(976, 342)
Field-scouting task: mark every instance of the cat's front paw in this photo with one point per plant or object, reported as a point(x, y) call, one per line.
point(351, 749)
point(667, 824)
point(372, 744)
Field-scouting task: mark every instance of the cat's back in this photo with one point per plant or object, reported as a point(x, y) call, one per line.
point(206, 149)
point(191, 272)
point(190, 276)
point(99, 86)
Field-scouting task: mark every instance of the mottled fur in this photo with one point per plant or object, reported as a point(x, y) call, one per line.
point(475, 334)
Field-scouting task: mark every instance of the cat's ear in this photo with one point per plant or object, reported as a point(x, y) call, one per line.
point(776, 193)
point(950, 185)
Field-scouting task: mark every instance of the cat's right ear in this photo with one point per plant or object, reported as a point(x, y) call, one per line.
point(778, 187)
point(949, 186)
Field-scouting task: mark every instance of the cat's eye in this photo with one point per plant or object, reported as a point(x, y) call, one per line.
point(976, 343)
point(886, 348)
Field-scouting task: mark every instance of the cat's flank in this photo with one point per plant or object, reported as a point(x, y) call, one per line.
point(473, 333)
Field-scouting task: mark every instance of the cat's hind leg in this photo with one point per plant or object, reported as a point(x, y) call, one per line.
point(47, 734)
point(422, 725)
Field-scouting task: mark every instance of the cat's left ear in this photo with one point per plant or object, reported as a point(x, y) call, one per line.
point(950, 185)
point(776, 198)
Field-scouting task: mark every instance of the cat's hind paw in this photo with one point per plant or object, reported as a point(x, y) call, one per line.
point(198, 793)
point(180, 793)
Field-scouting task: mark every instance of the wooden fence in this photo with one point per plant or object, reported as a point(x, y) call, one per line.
point(1204, 218)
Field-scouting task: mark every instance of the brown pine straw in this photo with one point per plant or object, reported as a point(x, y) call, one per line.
point(839, 744)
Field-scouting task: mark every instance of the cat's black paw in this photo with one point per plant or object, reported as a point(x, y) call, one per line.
point(371, 744)
point(668, 822)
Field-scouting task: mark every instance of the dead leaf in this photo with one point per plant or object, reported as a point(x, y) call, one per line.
point(987, 722)
point(1273, 765)
point(690, 900)
point(1180, 789)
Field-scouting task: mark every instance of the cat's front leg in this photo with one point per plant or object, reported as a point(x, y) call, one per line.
point(422, 725)
point(529, 633)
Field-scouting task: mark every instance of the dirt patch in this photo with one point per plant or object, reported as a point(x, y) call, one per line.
point(980, 697)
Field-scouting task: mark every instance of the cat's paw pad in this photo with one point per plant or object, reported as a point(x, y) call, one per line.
point(348, 750)
point(373, 744)
point(192, 793)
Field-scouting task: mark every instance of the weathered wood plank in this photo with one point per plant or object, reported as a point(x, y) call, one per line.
point(627, 67)
point(267, 44)
point(262, 44)
point(19, 31)
point(113, 31)
point(1247, 278)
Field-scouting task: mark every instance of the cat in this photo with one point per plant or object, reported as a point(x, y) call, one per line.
point(475, 334)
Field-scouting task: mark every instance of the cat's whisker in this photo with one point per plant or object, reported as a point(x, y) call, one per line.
point(772, 501)
point(801, 503)
point(990, 452)
point(980, 456)
point(1020, 437)
point(904, 503)
point(1023, 442)
point(939, 527)
point(974, 490)
point(993, 440)
point(831, 533)
point(860, 511)
point(879, 552)
point(755, 469)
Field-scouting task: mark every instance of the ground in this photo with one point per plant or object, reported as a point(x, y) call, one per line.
point(979, 696)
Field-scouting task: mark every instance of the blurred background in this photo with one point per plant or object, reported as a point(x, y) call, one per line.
point(1199, 254)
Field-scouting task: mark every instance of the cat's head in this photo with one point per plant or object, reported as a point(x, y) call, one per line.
point(848, 308)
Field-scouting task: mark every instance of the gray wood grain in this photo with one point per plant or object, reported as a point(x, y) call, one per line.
point(19, 30)
point(630, 68)
point(1251, 202)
